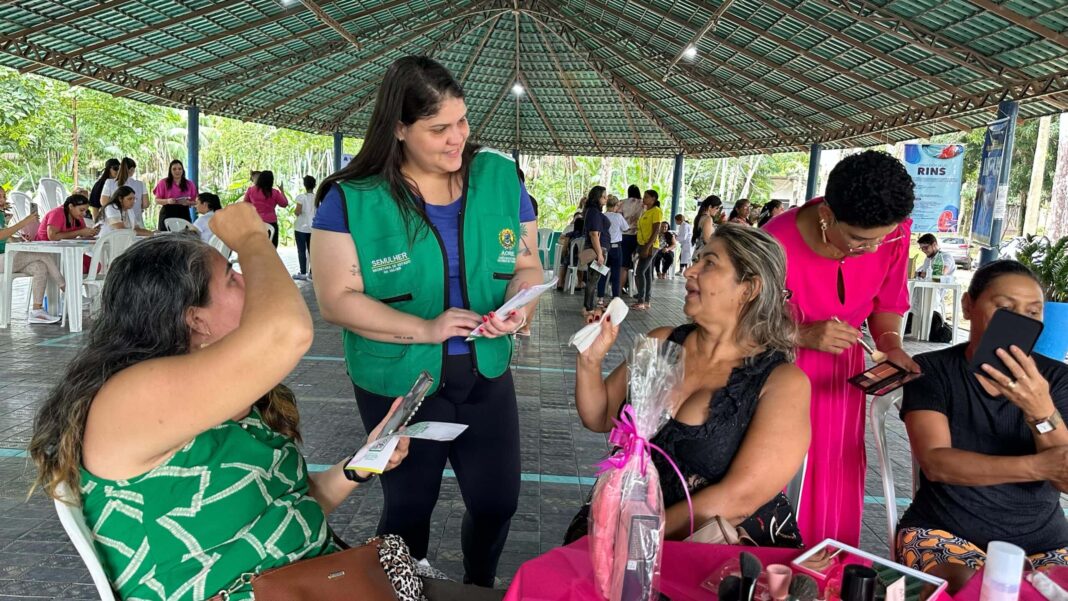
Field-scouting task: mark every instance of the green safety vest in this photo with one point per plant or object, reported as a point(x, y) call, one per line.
point(408, 271)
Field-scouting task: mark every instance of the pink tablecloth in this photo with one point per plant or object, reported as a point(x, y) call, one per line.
point(565, 574)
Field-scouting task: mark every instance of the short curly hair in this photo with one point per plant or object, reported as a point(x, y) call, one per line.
point(870, 189)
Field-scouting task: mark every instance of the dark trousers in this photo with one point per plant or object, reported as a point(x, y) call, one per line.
point(644, 276)
point(274, 236)
point(303, 249)
point(629, 246)
point(664, 260)
point(615, 264)
point(168, 211)
point(594, 281)
point(485, 458)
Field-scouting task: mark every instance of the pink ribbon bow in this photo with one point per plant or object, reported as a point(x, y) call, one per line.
point(625, 436)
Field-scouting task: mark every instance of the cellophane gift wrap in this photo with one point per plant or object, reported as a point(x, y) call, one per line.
point(627, 513)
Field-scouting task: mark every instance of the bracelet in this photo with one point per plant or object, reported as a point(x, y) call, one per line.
point(884, 334)
point(521, 324)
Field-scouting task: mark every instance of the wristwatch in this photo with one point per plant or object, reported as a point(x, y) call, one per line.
point(353, 476)
point(1047, 425)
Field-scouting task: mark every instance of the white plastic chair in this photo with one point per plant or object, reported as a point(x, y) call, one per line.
point(177, 224)
point(270, 230)
point(880, 408)
point(79, 533)
point(107, 248)
point(20, 204)
point(573, 267)
point(50, 194)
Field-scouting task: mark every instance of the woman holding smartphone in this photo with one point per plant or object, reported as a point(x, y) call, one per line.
point(418, 241)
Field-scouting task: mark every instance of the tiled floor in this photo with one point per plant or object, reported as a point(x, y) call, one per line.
point(38, 562)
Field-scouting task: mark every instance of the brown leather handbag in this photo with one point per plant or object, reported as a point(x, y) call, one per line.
point(347, 575)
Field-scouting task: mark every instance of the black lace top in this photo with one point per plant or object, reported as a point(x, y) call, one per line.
point(704, 453)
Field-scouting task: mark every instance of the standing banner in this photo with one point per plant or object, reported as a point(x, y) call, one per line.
point(992, 190)
point(936, 170)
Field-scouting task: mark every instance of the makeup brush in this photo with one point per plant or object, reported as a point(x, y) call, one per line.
point(803, 588)
point(751, 569)
point(729, 588)
point(876, 355)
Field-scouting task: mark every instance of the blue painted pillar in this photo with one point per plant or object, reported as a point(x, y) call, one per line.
point(192, 149)
point(339, 149)
point(676, 191)
point(812, 186)
point(1007, 109)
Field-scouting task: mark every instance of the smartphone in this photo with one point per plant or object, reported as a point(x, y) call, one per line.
point(409, 405)
point(1006, 328)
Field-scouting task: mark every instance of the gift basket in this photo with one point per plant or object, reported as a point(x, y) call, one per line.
point(627, 511)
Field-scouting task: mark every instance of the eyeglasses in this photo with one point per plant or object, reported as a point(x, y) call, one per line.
point(855, 247)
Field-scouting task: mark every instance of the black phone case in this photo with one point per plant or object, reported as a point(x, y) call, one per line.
point(1005, 329)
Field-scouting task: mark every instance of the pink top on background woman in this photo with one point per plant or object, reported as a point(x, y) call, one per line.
point(166, 191)
point(833, 500)
point(57, 218)
point(265, 206)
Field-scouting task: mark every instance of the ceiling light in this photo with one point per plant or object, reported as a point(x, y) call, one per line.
point(690, 52)
point(517, 89)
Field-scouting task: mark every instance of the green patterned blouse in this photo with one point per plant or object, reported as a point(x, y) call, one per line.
point(233, 500)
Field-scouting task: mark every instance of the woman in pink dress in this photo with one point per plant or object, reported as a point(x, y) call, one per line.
point(847, 256)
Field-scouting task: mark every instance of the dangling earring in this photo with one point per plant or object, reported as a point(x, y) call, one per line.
point(823, 230)
point(205, 345)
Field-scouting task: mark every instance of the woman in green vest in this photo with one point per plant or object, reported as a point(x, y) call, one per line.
point(419, 240)
point(189, 477)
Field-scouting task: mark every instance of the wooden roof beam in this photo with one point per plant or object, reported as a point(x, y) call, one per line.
point(388, 45)
point(478, 51)
point(646, 98)
point(718, 85)
point(207, 10)
point(887, 58)
point(544, 118)
point(567, 85)
point(802, 52)
point(1023, 21)
point(931, 41)
point(620, 85)
point(73, 17)
point(355, 108)
point(739, 51)
point(711, 81)
point(331, 22)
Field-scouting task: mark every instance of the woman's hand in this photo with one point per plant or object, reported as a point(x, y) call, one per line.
point(829, 336)
point(237, 224)
point(402, 447)
point(596, 352)
point(1023, 386)
point(495, 326)
point(899, 357)
point(453, 322)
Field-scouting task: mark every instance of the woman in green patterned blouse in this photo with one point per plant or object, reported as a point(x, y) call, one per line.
point(171, 425)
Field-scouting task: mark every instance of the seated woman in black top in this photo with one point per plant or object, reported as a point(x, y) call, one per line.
point(987, 470)
point(741, 427)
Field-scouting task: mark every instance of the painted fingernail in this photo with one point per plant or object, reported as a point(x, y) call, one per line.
point(484, 319)
point(512, 314)
point(492, 313)
point(608, 319)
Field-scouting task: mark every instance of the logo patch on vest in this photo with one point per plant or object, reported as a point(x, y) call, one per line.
point(391, 264)
point(507, 239)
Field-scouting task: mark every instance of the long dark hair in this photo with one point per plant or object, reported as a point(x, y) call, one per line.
point(125, 167)
point(74, 200)
point(105, 173)
point(147, 293)
point(413, 88)
point(183, 183)
point(765, 213)
point(116, 198)
point(265, 182)
point(710, 202)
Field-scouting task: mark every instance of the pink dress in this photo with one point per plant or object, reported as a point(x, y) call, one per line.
point(833, 499)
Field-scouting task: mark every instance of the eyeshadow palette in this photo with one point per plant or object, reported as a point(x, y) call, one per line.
point(882, 378)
